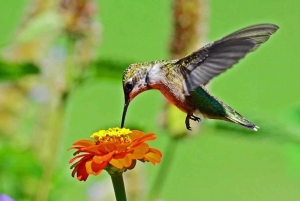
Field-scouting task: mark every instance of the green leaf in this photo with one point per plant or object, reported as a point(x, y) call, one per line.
point(11, 71)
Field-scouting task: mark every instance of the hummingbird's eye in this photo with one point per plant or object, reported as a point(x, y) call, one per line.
point(129, 86)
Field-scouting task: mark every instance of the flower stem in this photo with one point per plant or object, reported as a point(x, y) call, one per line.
point(119, 188)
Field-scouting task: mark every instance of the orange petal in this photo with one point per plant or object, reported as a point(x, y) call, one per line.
point(116, 163)
point(122, 162)
point(140, 151)
point(136, 134)
point(84, 143)
point(126, 161)
point(123, 147)
point(79, 156)
point(121, 155)
point(103, 158)
point(88, 167)
point(101, 148)
point(152, 157)
point(147, 137)
point(75, 169)
point(155, 151)
point(92, 149)
point(82, 174)
point(150, 136)
point(107, 146)
point(94, 168)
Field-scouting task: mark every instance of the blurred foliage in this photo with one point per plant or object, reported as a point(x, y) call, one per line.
point(24, 170)
point(106, 68)
point(53, 44)
point(11, 71)
point(292, 115)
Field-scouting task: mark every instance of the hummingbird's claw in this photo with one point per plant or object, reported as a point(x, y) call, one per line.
point(187, 121)
point(194, 118)
point(189, 127)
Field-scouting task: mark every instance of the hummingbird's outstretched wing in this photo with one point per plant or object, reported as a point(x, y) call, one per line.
point(202, 65)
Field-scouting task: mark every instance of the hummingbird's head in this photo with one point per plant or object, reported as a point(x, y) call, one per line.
point(135, 81)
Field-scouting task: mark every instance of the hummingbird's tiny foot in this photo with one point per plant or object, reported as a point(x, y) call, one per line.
point(194, 118)
point(187, 122)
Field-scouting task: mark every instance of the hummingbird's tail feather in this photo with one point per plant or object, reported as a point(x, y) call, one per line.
point(235, 117)
point(213, 108)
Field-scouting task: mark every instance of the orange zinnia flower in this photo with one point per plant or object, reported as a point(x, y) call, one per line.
point(118, 148)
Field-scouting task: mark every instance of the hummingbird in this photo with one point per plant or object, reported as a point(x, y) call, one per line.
point(182, 81)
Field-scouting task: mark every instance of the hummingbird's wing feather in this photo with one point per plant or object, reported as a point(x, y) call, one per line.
point(211, 60)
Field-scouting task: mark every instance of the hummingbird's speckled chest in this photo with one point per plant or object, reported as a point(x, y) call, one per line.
point(170, 84)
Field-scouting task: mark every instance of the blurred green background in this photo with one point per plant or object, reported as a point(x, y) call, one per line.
point(222, 162)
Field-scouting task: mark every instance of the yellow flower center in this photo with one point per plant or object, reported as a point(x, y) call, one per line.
point(112, 135)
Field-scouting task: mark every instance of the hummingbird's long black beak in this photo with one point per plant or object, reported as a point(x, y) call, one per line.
point(124, 114)
point(125, 110)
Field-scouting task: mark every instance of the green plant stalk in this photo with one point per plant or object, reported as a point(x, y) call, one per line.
point(119, 188)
